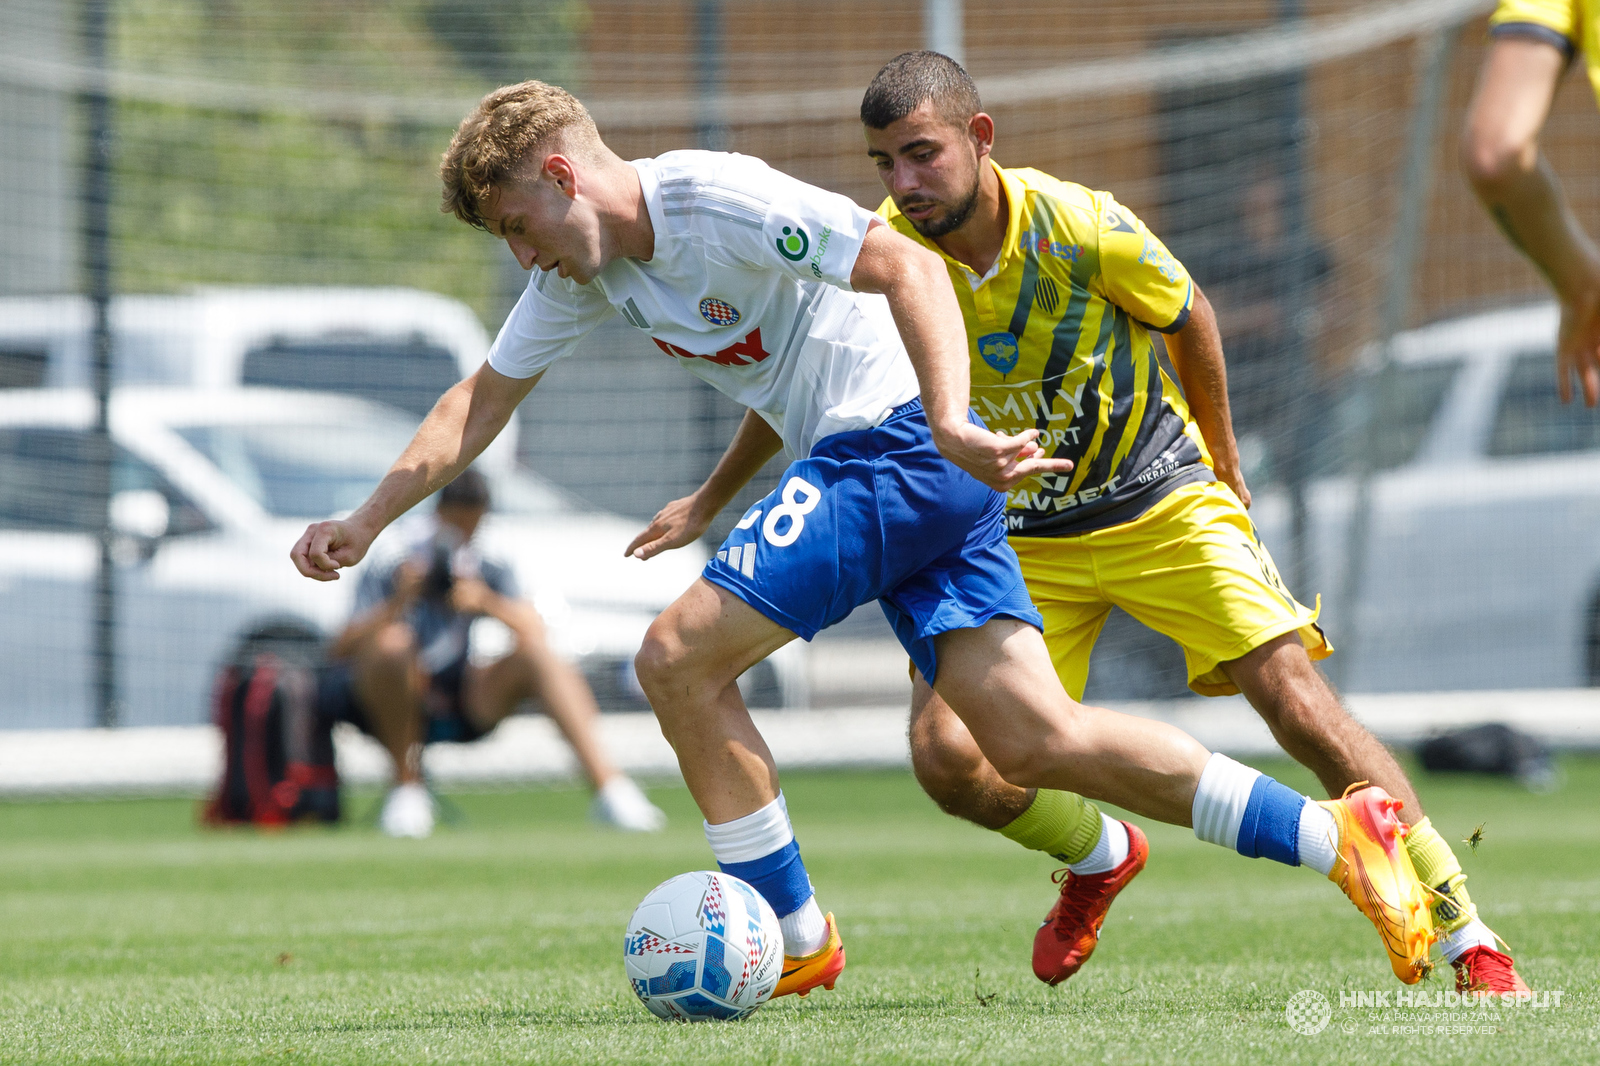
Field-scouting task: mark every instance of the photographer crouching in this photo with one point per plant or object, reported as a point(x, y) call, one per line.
point(405, 675)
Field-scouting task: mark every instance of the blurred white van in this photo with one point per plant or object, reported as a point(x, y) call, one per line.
point(220, 466)
point(211, 487)
point(397, 346)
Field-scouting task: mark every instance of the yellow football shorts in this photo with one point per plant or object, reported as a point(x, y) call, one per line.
point(1191, 568)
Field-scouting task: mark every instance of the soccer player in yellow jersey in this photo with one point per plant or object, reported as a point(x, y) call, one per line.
point(1533, 45)
point(1061, 287)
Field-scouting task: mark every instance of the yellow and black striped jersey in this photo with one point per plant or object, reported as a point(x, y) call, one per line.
point(1570, 26)
point(1058, 332)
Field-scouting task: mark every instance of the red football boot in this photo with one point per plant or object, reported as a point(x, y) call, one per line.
point(1071, 930)
point(1482, 969)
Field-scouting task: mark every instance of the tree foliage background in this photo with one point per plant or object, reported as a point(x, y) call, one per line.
point(270, 196)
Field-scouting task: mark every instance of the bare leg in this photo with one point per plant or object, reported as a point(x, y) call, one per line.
point(952, 770)
point(688, 666)
point(999, 680)
point(1308, 721)
point(390, 686)
point(534, 670)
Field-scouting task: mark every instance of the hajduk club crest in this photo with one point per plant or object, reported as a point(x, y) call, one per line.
point(719, 312)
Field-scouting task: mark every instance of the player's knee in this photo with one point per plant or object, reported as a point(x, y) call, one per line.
point(393, 645)
point(663, 666)
point(653, 664)
point(1491, 162)
point(952, 778)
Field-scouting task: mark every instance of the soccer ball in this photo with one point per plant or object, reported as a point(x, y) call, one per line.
point(703, 946)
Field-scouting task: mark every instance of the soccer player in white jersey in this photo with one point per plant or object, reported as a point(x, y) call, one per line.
point(805, 308)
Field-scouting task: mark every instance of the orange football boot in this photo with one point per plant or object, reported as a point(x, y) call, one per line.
point(1071, 930)
point(821, 967)
point(1374, 870)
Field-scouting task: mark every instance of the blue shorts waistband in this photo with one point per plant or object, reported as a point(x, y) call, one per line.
point(910, 407)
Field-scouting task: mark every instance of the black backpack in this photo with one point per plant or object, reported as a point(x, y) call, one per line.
point(1492, 748)
point(278, 762)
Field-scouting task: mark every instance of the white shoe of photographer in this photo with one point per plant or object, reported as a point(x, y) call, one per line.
point(408, 812)
point(620, 803)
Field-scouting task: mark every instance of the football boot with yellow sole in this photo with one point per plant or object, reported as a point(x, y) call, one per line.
point(1375, 871)
point(822, 967)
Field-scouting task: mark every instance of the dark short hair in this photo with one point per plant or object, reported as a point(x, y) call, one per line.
point(912, 77)
point(469, 489)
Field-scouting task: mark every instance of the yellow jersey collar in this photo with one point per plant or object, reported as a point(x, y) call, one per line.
point(1015, 191)
point(1016, 196)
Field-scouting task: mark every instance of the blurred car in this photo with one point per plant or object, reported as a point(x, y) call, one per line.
point(1481, 564)
point(211, 488)
point(1481, 567)
point(398, 346)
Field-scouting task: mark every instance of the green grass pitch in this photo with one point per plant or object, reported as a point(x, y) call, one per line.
point(129, 935)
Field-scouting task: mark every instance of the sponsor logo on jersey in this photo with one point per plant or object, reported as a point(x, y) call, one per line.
point(1045, 246)
point(744, 353)
point(822, 250)
point(1157, 256)
point(719, 312)
point(794, 244)
point(999, 350)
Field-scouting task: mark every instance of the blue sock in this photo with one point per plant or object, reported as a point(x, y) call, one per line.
point(780, 877)
point(1271, 825)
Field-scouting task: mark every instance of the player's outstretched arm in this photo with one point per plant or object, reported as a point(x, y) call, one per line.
point(1500, 153)
point(684, 521)
point(1196, 352)
point(460, 426)
point(929, 319)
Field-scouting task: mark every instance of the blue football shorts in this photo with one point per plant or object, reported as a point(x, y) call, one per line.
point(878, 514)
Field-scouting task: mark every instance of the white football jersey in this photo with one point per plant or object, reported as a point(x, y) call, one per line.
point(749, 289)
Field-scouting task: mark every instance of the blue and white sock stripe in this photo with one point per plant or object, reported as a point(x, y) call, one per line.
point(1248, 812)
point(1221, 800)
point(760, 849)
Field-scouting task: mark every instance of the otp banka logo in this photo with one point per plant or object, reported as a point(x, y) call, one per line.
point(794, 244)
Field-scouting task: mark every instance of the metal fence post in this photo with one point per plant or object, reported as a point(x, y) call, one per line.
point(942, 29)
point(1433, 54)
point(96, 205)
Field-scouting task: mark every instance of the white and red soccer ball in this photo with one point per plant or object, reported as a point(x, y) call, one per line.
point(703, 946)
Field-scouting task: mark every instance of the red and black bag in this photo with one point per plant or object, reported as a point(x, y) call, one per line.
point(278, 762)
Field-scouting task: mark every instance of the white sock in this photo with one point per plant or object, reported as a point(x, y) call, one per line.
point(1109, 853)
point(1472, 935)
point(1319, 838)
point(753, 836)
point(805, 931)
point(1221, 799)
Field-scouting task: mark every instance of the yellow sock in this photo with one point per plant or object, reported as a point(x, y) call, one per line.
point(1438, 868)
point(1063, 825)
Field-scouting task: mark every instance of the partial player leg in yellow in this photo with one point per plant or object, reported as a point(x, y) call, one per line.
point(1193, 569)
